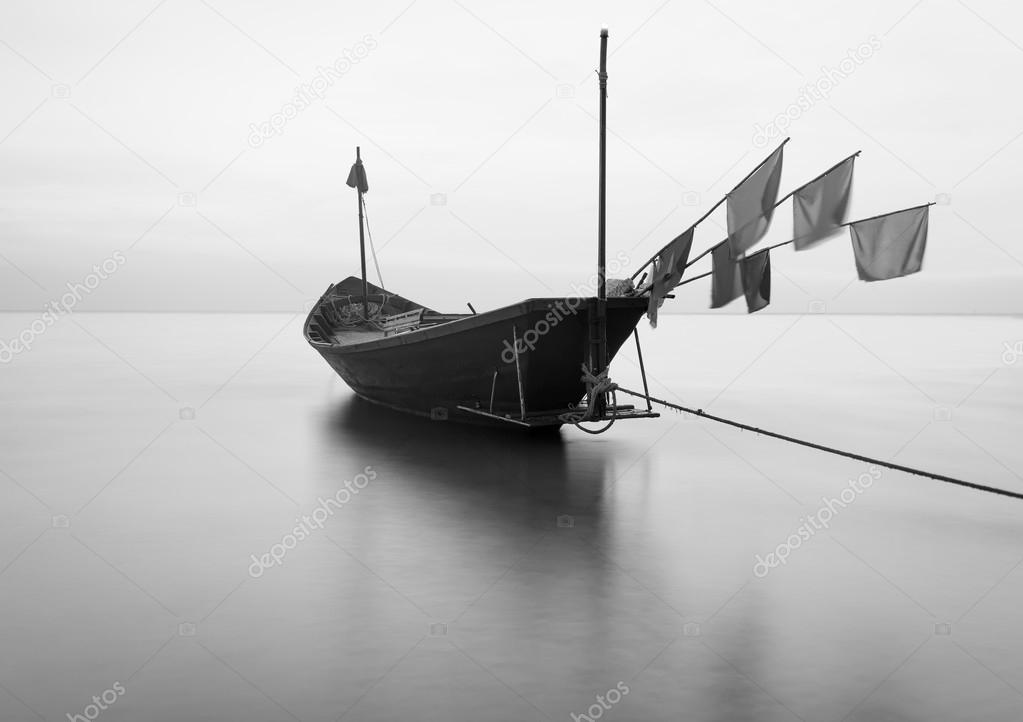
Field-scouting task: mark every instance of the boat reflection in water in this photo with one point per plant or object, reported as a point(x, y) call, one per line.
point(513, 558)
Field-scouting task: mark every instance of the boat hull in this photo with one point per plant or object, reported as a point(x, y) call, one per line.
point(471, 362)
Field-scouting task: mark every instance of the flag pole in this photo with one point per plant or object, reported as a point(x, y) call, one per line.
point(858, 220)
point(793, 240)
point(362, 243)
point(778, 203)
point(601, 342)
point(712, 209)
point(889, 213)
point(814, 180)
point(691, 227)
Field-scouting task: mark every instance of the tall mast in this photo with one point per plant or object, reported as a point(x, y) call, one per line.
point(601, 204)
point(601, 360)
point(362, 244)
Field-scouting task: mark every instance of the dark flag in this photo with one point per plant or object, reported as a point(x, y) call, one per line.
point(357, 177)
point(667, 272)
point(726, 277)
point(756, 280)
point(891, 245)
point(819, 207)
point(751, 205)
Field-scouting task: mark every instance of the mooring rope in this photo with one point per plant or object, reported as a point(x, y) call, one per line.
point(596, 385)
point(828, 449)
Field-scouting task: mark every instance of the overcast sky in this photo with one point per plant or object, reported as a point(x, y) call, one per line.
point(128, 127)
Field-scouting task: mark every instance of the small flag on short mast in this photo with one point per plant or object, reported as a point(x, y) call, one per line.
point(357, 176)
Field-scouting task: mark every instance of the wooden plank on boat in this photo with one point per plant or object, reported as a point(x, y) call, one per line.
point(401, 322)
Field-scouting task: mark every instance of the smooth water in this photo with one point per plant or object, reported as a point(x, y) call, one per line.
point(150, 461)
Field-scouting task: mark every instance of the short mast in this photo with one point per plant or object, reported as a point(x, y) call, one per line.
point(360, 185)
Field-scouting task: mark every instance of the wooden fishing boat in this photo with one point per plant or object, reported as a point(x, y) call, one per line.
point(465, 366)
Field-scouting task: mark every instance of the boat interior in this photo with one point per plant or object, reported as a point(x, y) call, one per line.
point(339, 317)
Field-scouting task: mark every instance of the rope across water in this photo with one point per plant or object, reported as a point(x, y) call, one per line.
point(828, 449)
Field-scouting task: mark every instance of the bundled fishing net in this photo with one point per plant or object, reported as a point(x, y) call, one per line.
point(345, 311)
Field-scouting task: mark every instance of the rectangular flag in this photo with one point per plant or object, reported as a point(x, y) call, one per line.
point(751, 205)
point(756, 280)
point(819, 207)
point(891, 245)
point(726, 277)
point(667, 272)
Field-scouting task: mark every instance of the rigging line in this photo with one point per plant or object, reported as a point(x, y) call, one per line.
point(828, 449)
point(372, 249)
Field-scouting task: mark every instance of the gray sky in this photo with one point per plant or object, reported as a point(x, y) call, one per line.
point(114, 116)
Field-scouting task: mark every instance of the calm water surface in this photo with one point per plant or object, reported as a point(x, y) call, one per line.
point(148, 462)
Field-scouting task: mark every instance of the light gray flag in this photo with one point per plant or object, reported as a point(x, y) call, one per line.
point(891, 245)
point(726, 277)
point(751, 205)
point(819, 207)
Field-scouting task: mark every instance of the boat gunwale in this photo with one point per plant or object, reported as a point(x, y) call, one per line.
point(426, 333)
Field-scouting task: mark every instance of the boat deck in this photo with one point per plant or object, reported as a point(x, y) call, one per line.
point(362, 334)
